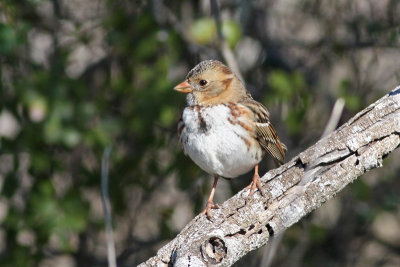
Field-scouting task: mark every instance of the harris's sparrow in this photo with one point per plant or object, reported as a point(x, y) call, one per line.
point(222, 128)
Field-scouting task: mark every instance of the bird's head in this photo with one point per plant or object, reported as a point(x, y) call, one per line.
point(211, 83)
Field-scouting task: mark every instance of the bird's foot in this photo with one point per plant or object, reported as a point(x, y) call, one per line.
point(209, 206)
point(255, 183)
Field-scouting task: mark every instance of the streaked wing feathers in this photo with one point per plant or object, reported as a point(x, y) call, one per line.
point(265, 132)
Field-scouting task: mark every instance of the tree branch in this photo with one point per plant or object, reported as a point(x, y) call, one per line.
point(243, 223)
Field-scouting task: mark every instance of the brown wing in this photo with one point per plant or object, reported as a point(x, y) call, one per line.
point(265, 132)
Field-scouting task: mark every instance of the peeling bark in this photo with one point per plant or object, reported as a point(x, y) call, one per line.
point(243, 224)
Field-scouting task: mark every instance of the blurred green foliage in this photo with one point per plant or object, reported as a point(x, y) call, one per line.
point(67, 106)
point(203, 31)
point(290, 88)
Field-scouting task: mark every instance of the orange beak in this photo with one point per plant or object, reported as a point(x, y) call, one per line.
point(183, 87)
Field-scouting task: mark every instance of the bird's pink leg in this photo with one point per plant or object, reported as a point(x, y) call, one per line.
point(255, 183)
point(210, 203)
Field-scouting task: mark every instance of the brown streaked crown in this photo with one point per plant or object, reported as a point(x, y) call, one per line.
point(208, 65)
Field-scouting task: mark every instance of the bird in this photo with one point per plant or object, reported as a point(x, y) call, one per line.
point(223, 129)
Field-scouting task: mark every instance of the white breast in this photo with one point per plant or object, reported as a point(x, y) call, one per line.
point(216, 144)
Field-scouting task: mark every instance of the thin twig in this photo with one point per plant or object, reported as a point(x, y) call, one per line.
point(112, 262)
point(215, 12)
point(223, 45)
point(270, 250)
point(336, 113)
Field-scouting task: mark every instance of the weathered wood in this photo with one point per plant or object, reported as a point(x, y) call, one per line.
point(243, 224)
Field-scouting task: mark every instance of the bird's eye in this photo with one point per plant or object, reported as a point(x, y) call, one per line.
point(203, 82)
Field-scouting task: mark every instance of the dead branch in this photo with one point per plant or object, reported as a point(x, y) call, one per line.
point(243, 224)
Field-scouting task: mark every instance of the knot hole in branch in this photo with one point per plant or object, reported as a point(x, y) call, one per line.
point(214, 250)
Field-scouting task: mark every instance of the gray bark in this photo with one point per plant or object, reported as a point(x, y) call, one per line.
point(243, 223)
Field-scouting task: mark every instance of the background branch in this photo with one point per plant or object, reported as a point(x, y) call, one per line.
point(227, 53)
point(112, 262)
point(243, 224)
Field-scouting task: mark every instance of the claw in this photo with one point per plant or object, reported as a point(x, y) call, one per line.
point(255, 183)
point(209, 206)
